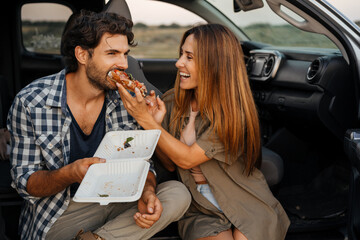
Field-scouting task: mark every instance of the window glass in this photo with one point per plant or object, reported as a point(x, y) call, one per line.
point(158, 28)
point(263, 25)
point(348, 7)
point(42, 26)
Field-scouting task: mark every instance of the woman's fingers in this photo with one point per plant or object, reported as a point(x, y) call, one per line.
point(160, 103)
point(138, 95)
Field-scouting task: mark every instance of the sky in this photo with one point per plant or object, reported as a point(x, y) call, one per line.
point(149, 13)
point(351, 8)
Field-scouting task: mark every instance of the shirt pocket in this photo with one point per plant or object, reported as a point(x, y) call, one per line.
point(51, 150)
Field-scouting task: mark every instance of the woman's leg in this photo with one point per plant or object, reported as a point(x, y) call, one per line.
point(238, 235)
point(225, 235)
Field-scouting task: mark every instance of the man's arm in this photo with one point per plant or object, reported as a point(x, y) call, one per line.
point(31, 177)
point(149, 205)
point(45, 183)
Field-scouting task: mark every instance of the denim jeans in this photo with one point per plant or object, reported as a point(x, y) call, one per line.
point(205, 190)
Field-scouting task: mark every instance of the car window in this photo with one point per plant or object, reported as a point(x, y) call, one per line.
point(158, 28)
point(349, 8)
point(263, 25)
point(42, 26)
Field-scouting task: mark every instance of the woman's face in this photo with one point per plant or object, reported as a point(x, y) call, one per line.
point(186, 65)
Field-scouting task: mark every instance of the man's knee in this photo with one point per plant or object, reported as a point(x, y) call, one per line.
point(174, 197)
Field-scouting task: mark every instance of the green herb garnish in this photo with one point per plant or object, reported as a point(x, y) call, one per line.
point(103, 195)
point(126, 143)
point(129, 139)
point(130, 76)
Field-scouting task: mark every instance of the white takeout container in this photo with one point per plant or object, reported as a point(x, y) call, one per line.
point(122, 177)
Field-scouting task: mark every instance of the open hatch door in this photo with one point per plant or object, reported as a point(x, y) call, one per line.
point(352, 149)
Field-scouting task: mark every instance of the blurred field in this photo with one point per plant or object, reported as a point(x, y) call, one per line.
point(157, 42)
point(287, 35)
point(163, 41)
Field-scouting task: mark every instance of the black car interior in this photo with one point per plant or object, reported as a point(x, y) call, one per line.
point(307, 100)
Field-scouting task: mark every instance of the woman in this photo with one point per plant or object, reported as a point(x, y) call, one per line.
point(210, 134)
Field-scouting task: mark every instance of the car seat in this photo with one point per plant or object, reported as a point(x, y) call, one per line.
point(120, 7)
point(272, 167)
point(272, 163)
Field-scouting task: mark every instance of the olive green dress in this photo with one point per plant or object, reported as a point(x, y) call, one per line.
point(246, 201)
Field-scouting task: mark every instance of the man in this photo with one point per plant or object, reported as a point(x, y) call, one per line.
point(56, 124)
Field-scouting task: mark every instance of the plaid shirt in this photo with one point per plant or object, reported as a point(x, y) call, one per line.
point(39, 123)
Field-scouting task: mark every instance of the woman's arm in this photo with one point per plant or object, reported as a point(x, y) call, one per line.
point(181, 154)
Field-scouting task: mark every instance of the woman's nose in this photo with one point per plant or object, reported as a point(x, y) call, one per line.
point(179, 63)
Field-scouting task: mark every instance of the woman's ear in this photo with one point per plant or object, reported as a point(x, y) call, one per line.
point(81, 54)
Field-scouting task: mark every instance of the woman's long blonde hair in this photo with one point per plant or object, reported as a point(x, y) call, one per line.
point(223, 93)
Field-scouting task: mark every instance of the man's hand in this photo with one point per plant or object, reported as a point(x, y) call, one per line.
point(149, 205)
point(45, 183)
point(150, 210)
point(79, 167)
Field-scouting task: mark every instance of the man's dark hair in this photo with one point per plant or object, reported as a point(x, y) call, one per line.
point(86, 28)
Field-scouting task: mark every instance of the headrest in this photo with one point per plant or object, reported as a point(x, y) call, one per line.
point(118, 6)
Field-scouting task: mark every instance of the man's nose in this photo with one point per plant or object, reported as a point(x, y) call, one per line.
point(122, 62)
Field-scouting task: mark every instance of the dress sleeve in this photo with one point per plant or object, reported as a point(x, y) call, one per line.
point(210, 143)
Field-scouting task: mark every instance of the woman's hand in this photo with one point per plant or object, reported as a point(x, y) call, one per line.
point(142, 108)
point(136, 106)
point(156, 107)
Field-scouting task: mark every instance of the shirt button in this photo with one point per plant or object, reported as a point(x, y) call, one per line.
point(65, 124)
point(107, 116)
point(50, 145)
point(115, 101)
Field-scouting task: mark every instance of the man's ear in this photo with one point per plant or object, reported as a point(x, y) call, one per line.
point(81, 54)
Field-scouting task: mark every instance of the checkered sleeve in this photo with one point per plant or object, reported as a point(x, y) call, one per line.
point(152, 167)
point(25, 154)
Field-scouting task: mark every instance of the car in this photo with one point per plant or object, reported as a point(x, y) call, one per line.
point(303, 65)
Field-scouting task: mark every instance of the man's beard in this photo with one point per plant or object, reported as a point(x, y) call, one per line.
point(98, 78)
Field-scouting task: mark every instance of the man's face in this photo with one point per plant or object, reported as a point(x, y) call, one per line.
point(111, 53)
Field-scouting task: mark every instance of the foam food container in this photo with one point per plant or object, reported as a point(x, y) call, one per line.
point(122, 177)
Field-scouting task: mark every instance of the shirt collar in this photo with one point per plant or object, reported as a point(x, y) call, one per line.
point(58, 90)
